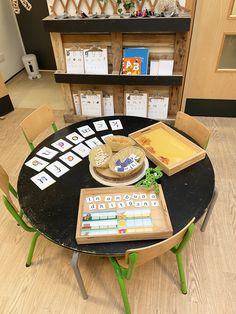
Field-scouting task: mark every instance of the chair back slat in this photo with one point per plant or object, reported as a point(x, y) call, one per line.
point(37, 122)
point(4, 183)
point(150, 252)
point(194, 128)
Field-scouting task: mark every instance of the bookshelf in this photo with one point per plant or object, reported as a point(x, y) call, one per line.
point(172, 33)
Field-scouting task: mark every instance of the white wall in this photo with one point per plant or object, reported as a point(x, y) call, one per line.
point(10, 42)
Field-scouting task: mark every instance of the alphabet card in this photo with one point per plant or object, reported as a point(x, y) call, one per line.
point(36, 163)
point(57, 168)
point(47, 153)
point(62, 145)
point(70, 159)
point(100, 125)
point(82, 150)
point(116, 125)
point(93, 142)
point(42, 180)
point(75, 138)
point(86, 131)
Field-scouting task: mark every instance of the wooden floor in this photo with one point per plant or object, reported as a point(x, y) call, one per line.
point(49, 286)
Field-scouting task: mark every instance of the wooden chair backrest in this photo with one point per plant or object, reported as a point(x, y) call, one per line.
point(194, 128)
point(4, 183)
point(150, 252)
point(37, 122)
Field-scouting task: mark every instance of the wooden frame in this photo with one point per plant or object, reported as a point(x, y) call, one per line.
point(220, 54)
point(230, 15)
point(171, 33)
point(161, 227)
point(196, 155)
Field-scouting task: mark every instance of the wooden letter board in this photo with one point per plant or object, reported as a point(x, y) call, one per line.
point(122, 214)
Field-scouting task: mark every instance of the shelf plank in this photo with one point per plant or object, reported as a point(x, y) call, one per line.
point(116, 79)
point(116, 24)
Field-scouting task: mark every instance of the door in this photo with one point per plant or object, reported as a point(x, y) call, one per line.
point(211, 73)
point(35, 39)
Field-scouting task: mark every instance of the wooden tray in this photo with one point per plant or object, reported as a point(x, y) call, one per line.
point(122, 214)
point(167, 148)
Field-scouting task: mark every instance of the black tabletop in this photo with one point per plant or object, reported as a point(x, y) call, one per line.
point(54, 211)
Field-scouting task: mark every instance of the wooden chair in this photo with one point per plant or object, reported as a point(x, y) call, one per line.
point(194, 128)
point(6, 188)
point(124, 266)
point(201, 134)
point(36, 123)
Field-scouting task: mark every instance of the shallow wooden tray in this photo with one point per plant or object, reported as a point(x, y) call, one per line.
point(160, 228)
point(167, 148)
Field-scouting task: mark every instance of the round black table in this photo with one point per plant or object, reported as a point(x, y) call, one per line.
point(54, 210)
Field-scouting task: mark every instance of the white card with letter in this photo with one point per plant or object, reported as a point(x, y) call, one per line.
point(57, 168)
point(42, 180)
point(116, 124)
point(93, 142)
point(82, 150)
point(86, 131)
point(75, 138)
point(36, 163)
point(104, 136)
point(62, 145)
point(70, 159)
point(100, 125)
point(47, 153)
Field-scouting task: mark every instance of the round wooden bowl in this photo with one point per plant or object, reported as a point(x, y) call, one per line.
point(100, 156)
point(125, 158)
point(118, 142)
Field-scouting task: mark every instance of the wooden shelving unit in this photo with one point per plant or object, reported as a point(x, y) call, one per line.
point(115, 33)
point(114, 79)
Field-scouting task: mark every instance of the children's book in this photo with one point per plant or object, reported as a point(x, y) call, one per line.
point(138, 52)
point(131, 66)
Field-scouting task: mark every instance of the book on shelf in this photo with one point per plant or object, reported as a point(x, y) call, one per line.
point(138, 53)
point(131, 66)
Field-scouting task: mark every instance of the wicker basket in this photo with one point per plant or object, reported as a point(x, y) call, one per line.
point(100, 156)
point(118, 142)
point(123, 159)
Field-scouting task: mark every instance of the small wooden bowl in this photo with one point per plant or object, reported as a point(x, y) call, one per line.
point(118, 142)
point(100, 156)
point(126, 158)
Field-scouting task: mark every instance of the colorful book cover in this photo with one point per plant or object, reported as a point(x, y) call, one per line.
point(131, 66)
point(138, 52)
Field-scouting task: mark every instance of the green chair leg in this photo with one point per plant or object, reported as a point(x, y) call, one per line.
point(21, 213)
point(181, 273)
point(32, 247)
point(120, 280)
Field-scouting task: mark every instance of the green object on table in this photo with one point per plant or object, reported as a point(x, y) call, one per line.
point(151, 177)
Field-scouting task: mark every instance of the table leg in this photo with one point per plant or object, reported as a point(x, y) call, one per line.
point(209, 210)
point(74, 264)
